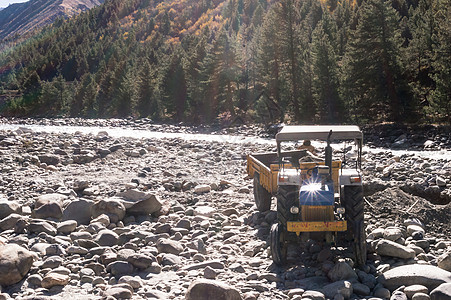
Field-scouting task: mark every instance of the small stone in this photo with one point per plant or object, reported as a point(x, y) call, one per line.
point(66, 227)
point(169, 246)
point(382, 293)
point(134, 282)
point(53, 279)
point(390, 248)
point(392, 233)
point(313, 295)
point(339, 287)
point(420, 296)
point(204, 289)
point(210, 273)
point(398, 295)
point(118, 293)
point(413, 289)
point(203, 188)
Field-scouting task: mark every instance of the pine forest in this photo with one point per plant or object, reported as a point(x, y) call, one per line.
point(210, 61)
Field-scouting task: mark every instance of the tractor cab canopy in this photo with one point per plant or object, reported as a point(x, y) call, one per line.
point(327, 133)
point(318, 132)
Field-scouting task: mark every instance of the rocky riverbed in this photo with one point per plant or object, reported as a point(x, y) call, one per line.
point(98, 217)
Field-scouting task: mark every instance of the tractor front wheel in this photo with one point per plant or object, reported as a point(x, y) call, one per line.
point(287, 196)
point(354, 208)
point(278, 244)
point(261, 195)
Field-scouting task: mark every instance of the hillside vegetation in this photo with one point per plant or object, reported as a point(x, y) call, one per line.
point(238, 60)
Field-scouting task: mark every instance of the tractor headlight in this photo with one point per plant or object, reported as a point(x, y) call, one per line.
point(340, 210)
point(294, 210)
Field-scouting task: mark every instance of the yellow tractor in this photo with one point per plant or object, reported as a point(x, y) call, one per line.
point(316, 198)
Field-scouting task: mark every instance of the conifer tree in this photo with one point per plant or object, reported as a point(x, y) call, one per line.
point(373, 82)
point(325, 69)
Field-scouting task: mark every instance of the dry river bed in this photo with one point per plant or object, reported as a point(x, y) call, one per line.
point(98, 217)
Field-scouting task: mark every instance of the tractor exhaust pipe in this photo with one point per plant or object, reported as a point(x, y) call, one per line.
point(329, 154)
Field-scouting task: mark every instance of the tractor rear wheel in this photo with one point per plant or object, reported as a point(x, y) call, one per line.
point(287, 196)
point(261, 195)
point(278, 244)
point(354, 208)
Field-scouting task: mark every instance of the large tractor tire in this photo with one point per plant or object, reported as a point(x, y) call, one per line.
point(354, 206)
point(278, 244)
point(287, 196)
point(261, 195)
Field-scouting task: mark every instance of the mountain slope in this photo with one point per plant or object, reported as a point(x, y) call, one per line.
point(21, 18)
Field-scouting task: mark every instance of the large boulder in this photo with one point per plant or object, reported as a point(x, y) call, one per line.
point(140, 203)
point(49, 206)
point(429, 276)
point(15, 262)
point(444, 261)
point(204, 289)
point(341, 271)
point(112, 207)
point(8, 207)
point(442, 292)
point(78, 210)
point(393, 249)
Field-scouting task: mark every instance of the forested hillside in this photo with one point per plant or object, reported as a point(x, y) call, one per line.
point(254, 60)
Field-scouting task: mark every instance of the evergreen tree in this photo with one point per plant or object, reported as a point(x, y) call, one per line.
point(174, 89)
point(325, 68)
point(147, 104)
point(440, 99)
point(373, 82)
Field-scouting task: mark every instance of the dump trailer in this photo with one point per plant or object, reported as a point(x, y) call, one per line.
point(316, 198)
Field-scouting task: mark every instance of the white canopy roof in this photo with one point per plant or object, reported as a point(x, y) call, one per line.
point(318, 132)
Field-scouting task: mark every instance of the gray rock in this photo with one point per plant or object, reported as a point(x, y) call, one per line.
point(392, 233)
point(426, 275)
point(169, 246)
point(341, 271)
point(313, 295)
point(119, 268)
point(361, 289)
point(134, 282)
point(54, 279)
point(52, 262)
point(9, 207)
point(421, 296)
point(381, 293)
point(37, 226)
point(140, 203)
point(10, 221)
point(393, 249)
point(442, 292)
point(414, 289)
point(49, 159)
point(112, 207)
point(141, 261)
point(168, 259)
point(398, 295)
point(51, 210)
point(202, 188)
point(339, 287)
point(215, 264)
point(204, 289)
point(444, 261)
point(106, 237)
point(15, 262)
point(118, 293)
point(66, 227)
point(78, 210)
